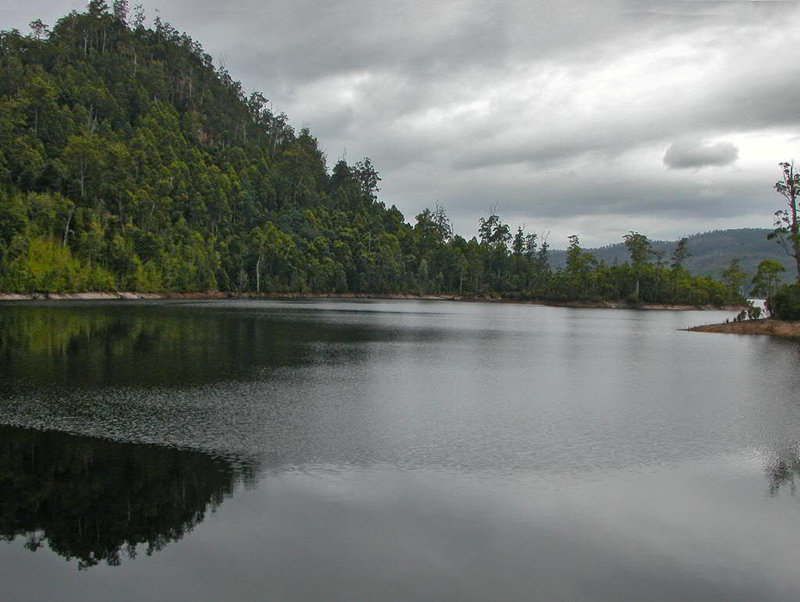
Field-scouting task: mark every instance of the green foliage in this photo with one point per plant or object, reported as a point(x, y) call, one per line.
point(46, 265)
point(639, 248)
point(767, 278)
point(784, 304)
point(734, 277)
point(680, 254)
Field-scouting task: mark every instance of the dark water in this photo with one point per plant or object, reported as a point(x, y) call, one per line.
point(393, 451)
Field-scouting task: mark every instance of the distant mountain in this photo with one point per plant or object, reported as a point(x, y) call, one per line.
point(710, 252)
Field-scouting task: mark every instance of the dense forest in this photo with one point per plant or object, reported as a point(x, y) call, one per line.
point(128, 161)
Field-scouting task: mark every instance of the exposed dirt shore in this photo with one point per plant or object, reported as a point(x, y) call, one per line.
point(94, 296)
point(766, 326)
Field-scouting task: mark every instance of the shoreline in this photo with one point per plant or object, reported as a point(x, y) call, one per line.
point(134, 296)
point(763, 326)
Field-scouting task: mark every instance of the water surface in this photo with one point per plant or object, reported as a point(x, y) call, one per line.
point(393, 450)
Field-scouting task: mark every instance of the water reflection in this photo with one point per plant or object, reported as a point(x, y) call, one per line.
point(97, 501)
point(783, 466)
point(75, 345)
point(423, 451)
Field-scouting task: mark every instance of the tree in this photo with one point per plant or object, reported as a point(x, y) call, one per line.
point(120, 10)
point(461, 265)
point(734, 277)
point(83, 157)
point(433, 229)
point(676, 263)
point(96, 8)
point(422, 272)
point(493, 232)
point(443, 223)
point(138, 17)
point(767, 278)
point(495, 236)
point(518, 244)
point(577, 259)
point(680, 254)
point(40, 30)
point(639, 249)
point(787, 228)
point(367, 178)
point(580, 265)
point(785, 303)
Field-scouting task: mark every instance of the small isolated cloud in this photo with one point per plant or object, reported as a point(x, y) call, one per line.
point(693, 154)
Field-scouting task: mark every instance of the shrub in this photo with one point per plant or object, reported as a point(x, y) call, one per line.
point(784, 304)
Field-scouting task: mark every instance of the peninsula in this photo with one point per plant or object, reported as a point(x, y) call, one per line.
point(764, 326)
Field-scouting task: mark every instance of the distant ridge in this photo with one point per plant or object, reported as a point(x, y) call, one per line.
point(710, 252)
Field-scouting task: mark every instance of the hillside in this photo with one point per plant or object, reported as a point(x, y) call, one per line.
point(129, 162)
point(710, 252)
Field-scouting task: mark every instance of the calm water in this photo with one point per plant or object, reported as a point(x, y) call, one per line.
point(393, 451)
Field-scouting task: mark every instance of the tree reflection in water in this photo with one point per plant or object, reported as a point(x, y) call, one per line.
point(97, 501)
point(782, 468)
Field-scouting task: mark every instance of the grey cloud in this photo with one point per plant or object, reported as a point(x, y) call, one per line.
point(288, 42)
point(589, 88)
point(693, 154)
point(422, 55)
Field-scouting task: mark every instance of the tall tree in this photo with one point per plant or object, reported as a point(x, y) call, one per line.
point(495, 236)
point(767, 278)
point(493, 232)
point(734, 277)
point(639, 249)
point(680, 254)
point(367, 177)
point(787, 228)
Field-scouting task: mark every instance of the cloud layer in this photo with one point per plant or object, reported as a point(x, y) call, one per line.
point(559, 113)
point(698, 153)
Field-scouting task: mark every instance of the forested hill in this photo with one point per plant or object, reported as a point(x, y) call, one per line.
point(128, 161)
point(710, 253)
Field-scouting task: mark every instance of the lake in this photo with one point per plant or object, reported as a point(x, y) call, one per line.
point(393, 450)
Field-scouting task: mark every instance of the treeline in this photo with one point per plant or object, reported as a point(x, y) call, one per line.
point(128, 161)
point(711, 253)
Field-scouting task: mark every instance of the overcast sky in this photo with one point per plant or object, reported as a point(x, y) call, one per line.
point(592, 117)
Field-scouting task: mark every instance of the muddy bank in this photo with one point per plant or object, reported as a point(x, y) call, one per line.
point(95, 296)
point(643, 306)
point(766, 326)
